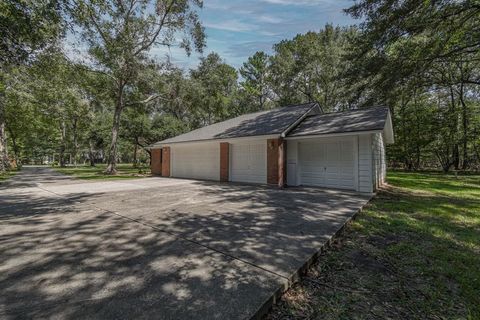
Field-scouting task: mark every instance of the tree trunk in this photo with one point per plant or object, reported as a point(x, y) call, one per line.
point(135, 149)
point(112, 154)
point(91, 154)
point(465, 128)
point(456, 157)
point(75, 141)
point(16, 151)
point(4, 162)
point(452, 134)
point(61, 160)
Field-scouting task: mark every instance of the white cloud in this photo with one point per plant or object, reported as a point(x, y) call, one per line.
point(269, 19)
point(231, 25)
point(297, 2)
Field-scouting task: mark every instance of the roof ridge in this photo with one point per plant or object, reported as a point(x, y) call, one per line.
point(346, 111)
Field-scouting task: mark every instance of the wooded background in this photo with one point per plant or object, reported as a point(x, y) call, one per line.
point(420, 58)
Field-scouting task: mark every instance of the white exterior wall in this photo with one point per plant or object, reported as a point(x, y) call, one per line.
point(379, 160)
point(365, 163)
point(292, 163)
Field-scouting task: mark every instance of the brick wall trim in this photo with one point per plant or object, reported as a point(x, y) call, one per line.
point(272, 161)
point(224, 161)
point(156, 161)
point(166, 162)
point(276, 162)
point(282, 163)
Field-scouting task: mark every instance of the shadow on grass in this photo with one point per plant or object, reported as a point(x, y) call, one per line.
point(408, 255)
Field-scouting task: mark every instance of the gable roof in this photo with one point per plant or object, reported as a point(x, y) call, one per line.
point(371, 119)
point(270, 122)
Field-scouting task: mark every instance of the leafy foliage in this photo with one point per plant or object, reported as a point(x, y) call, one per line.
point(420, 58)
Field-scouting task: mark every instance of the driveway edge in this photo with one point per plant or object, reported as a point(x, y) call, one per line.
point(295, 277)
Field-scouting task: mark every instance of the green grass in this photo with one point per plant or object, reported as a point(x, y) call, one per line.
point(124, 171)
point(7, 175)
point(414, 252)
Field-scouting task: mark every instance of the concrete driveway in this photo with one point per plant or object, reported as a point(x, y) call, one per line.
point(156, 247)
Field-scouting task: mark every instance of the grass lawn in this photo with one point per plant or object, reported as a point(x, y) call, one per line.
point(125, 171)
point(7, 175)
point(413, 253)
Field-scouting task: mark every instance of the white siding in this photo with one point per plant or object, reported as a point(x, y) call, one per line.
point(379, 161)
point(292, 163)
point(199, 161)
point(365, 163)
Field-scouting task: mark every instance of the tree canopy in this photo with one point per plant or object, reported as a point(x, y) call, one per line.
point(420, 58)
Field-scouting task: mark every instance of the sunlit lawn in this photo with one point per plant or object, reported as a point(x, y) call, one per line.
point(124, 171)
point(414, 252)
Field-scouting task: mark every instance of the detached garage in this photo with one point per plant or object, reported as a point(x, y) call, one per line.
point(295, 145)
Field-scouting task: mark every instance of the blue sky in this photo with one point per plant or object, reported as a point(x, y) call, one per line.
point(236, 29)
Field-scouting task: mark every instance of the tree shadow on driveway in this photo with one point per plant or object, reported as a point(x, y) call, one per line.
point(199, 250)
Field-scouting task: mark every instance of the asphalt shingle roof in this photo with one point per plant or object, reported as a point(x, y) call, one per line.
point(269, 122)
point(339, 122)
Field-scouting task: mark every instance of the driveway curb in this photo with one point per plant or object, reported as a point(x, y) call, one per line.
point(296, 276)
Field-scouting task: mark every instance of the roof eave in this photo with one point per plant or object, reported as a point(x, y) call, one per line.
point(333, 134)
point(218, 140)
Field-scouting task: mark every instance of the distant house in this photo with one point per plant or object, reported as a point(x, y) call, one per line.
point(293, 145)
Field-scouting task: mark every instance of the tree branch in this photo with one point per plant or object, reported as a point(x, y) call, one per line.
point(157, 32)
point(151, 98)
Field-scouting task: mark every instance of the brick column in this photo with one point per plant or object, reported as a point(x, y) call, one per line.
point(156, 161)
point(166, 162)
point(272, 161)
point(276, 164)
point(282, 163)
point(224, 161)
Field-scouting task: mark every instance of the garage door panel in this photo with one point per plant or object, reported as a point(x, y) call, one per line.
point(196, 162)
point(249, 162)
point(328, 163)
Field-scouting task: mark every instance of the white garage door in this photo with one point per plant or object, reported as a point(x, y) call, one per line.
point(249, 162)
point(196, 161)
point(328, 163)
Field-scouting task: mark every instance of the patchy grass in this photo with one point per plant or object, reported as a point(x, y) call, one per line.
point(124, 171)
point(413, 253)
point(7, 175)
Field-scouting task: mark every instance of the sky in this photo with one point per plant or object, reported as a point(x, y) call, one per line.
point(236, 29)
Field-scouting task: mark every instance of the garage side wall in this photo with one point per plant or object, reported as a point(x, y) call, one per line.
point(365, 163)
point(379, 160)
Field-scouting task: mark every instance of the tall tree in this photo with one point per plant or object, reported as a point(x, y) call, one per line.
point(120, 35)
point(26, 27)
point(432, 46)
point(215, 83)
point(255, 81)
point(309, 68)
